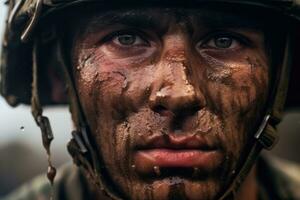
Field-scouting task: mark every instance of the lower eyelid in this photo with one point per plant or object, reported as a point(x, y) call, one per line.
point(122, 49)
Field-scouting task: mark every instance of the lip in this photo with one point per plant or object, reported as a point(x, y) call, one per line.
point(177, 141)
point(177, 151)
point(146, 160)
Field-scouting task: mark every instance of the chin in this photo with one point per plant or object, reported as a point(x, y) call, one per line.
point(173, 188)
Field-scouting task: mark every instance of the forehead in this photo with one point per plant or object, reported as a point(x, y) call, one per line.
point(206, 17)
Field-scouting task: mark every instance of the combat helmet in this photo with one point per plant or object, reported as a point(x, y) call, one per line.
point(31, 46)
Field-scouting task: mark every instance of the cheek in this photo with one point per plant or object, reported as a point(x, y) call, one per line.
point(106, 82)
point(133, 75)
point(235, 87)
point(99, 91)
point(241, 96)
point(236, 92)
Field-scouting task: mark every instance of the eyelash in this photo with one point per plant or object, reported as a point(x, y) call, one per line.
point(202, 42)
point(140, 34)
point(233, 35)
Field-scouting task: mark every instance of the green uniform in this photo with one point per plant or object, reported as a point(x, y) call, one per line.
point(277, 179)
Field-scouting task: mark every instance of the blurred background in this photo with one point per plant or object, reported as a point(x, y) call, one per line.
point(22, 156)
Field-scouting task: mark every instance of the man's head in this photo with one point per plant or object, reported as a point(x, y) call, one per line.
point(173, 98)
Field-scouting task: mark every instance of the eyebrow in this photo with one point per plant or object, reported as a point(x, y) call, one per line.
point(219, 19)
point(209, 19)
point(135, 18)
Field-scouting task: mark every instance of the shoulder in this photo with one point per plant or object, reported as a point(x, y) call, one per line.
point(282, 175)
point(67, 185)
point(289, 171)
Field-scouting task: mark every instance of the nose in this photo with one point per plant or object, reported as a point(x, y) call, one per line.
point(172, 90)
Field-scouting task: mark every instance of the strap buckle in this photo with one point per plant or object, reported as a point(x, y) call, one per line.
point(266, 134)
point(33, 21)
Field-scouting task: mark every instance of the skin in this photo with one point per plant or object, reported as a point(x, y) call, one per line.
point(165, 75)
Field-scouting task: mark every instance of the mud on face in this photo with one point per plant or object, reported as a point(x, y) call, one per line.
point(171, 98)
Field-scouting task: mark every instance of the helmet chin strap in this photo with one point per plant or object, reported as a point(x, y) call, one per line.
point(267, 138)
point(84, 151)
point(37, 112)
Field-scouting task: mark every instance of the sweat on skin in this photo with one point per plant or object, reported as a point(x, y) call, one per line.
point(171, 97)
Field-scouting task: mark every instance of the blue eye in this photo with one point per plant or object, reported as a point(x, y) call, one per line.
point(223, 42)
point(128, 40)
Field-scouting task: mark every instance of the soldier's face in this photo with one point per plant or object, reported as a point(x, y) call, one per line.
point(171, 97)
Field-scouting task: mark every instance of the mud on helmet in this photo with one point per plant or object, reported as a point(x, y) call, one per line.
point(31, 47)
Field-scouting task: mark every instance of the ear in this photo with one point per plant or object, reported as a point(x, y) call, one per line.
point(58, 87)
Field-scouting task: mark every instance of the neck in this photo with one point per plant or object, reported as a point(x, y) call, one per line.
point(249, 189)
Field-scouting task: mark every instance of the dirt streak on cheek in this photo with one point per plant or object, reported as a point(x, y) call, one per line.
point(99, 98)
point(235, 86)
point(236, 92)
point(106, 96)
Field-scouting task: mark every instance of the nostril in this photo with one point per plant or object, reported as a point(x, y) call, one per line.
point(188, 110)
point(191, 110)
point(163, 111)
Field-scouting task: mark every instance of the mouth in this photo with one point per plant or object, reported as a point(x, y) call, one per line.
point(177, 155)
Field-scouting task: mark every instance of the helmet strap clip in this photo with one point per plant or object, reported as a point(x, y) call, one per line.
point(266, 134)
